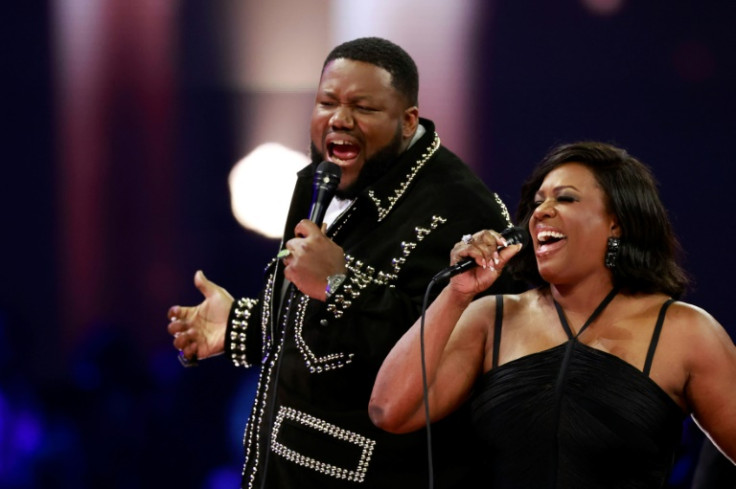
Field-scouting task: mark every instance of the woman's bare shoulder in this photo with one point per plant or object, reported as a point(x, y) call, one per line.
point(699, 336)
point(693, 321)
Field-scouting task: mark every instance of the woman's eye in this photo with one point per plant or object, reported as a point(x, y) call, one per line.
point(565, 198)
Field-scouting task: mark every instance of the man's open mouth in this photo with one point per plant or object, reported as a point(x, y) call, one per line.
point(342, 150)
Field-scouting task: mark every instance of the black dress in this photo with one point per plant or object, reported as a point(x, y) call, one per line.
point(575, 417)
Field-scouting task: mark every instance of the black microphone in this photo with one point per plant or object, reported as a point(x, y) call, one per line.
point(326, 178)
point(513, 235)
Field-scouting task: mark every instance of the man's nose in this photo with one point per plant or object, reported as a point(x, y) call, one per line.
point(342, 117)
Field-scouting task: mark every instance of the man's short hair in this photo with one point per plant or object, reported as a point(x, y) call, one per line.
point(386, 55)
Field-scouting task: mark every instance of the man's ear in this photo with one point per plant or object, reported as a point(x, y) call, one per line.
point(410, 122)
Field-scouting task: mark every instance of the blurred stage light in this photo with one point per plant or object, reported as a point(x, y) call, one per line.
point(603, 7)
point(261, 185)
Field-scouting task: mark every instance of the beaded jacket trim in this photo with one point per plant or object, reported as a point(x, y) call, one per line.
point(383, 208)
point(353, 474)
point(238, 329)
point(504, 210)
point(361, 276)
point(252, 435)
point(314, 363)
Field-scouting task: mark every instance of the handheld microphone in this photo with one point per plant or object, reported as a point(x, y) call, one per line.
point(513, 235)
point(326, 178)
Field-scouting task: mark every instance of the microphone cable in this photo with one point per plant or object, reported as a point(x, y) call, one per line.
point(325, 181)
point(513, 235)
point(425, 389)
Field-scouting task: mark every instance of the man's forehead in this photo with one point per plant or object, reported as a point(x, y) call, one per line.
point(349, 64)
point(356, 77)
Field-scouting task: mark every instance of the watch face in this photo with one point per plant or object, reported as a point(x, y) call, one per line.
point(333, 282)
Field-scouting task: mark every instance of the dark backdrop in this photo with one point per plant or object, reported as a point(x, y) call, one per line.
point(110, 407)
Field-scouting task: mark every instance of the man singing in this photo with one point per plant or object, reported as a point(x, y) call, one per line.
point(338, 297)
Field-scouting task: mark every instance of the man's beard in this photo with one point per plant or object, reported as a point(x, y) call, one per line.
point(374, 167)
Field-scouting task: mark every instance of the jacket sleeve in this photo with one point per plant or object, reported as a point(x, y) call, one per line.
point(241, 331)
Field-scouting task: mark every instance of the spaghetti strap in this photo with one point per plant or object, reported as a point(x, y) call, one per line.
point(655, 336)
point(497, 330)
point(593, 316)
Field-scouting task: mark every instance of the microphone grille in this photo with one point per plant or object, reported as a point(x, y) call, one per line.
point(328, 169)
point(516, 235)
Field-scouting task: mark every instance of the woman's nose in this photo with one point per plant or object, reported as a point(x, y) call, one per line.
point(544, 209)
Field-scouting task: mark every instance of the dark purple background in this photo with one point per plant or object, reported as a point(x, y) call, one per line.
point(105, 404)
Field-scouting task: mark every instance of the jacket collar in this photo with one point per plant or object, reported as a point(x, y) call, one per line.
point(388, 190)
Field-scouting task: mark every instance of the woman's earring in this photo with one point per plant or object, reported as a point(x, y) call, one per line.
point(612, 252)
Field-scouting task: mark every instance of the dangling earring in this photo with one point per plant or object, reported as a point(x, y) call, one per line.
point(612, 252)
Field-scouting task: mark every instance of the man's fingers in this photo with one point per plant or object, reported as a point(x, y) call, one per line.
point(305, 228)
point(173, 313)
point(202, 284)
point(179, 341)
point(185, 342)
point(189, 348)
point(180, 313)
point(177, 328)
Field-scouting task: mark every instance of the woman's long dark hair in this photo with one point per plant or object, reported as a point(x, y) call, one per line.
point(649, 251)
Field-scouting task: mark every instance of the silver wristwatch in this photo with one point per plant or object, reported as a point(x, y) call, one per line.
point(333, 283)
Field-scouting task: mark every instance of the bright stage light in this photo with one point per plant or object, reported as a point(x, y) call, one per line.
point(261, 185)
